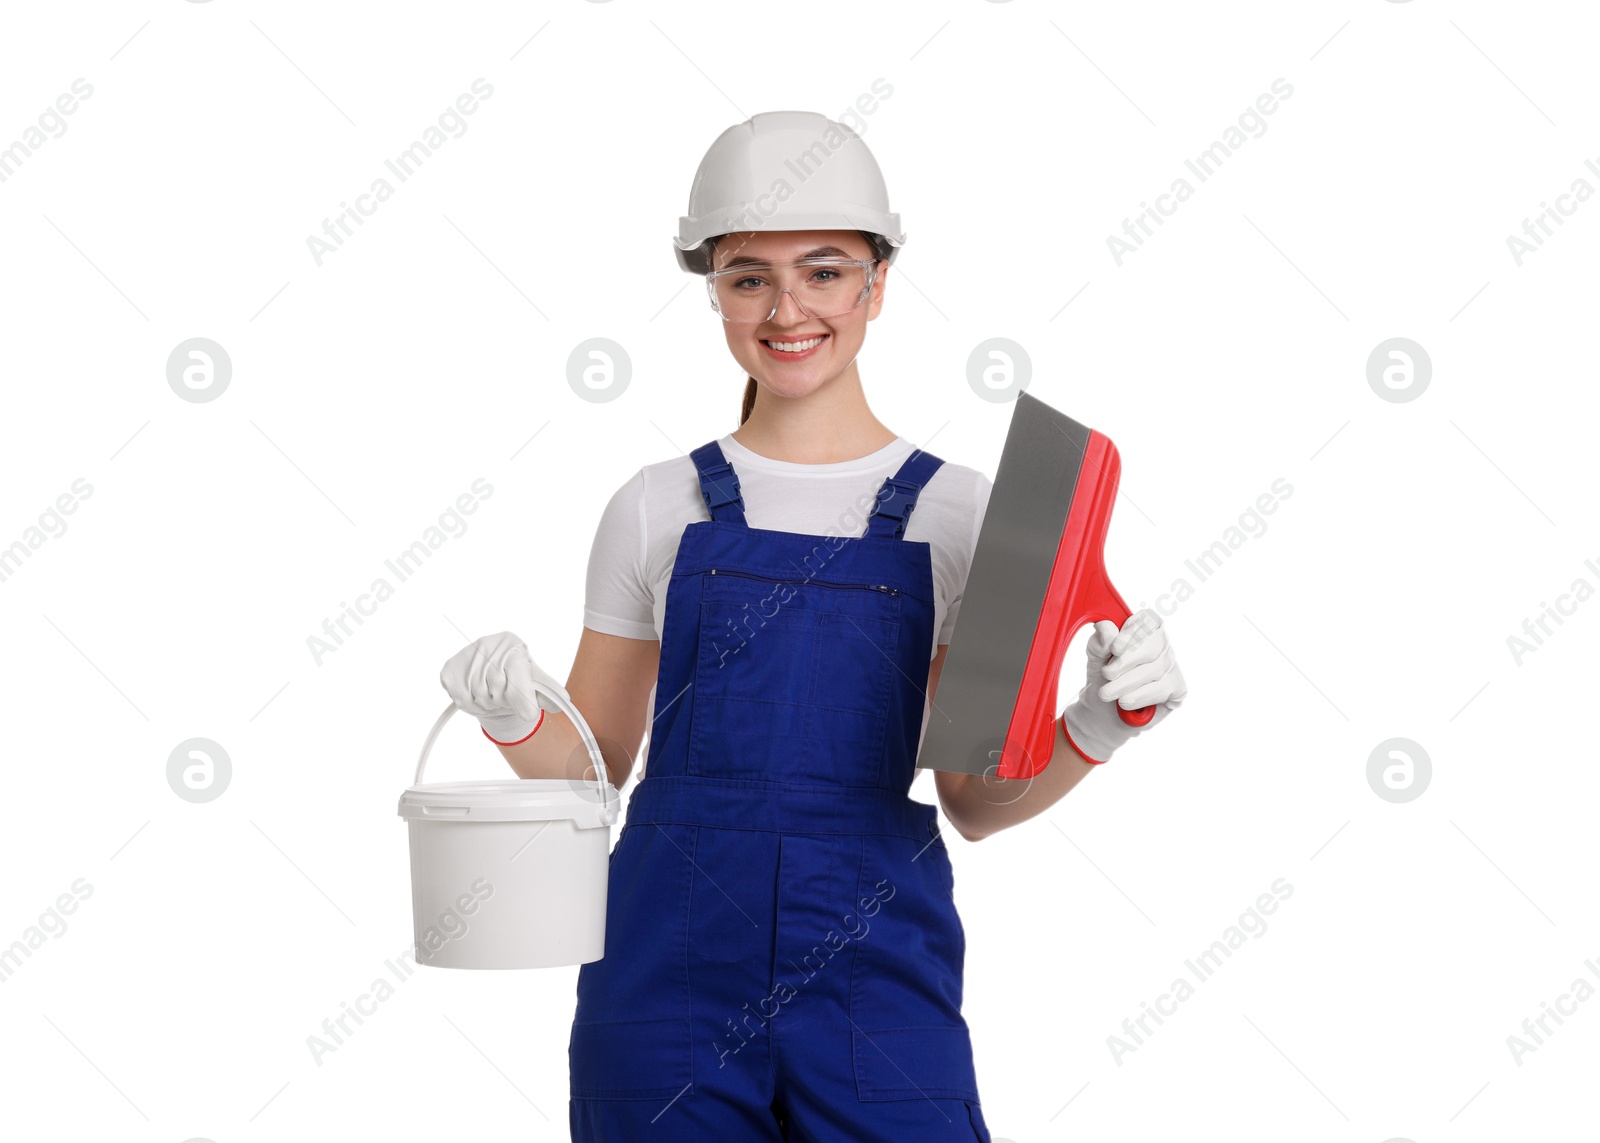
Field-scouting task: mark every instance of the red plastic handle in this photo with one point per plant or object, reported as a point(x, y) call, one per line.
point(1079, 592)
point(1137, 717)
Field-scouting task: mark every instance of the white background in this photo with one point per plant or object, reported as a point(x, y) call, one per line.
point(371, 390)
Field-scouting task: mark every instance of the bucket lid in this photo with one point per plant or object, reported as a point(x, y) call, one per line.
point(512, 800)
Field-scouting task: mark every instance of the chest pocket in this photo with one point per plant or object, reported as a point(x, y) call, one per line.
point(793, 679)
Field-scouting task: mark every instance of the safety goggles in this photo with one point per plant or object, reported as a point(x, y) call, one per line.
point(822, 287)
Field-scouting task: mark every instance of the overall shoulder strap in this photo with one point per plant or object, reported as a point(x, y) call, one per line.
point(719, 484)
point(898, 495)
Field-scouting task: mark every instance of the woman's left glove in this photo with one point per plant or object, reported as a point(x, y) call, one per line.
point(1132, 668)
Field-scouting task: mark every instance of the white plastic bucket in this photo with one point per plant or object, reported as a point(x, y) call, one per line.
point(510, 873)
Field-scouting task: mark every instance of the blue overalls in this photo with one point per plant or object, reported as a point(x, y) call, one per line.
point(783, 956)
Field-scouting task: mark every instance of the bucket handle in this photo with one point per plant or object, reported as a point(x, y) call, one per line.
point(602, 782)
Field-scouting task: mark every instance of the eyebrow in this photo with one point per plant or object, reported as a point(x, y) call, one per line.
point(819, 252)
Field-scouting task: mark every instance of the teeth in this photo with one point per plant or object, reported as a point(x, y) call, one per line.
point(795, 346)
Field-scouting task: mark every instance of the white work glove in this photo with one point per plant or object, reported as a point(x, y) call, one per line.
point(1131, 668)
point(493, 679)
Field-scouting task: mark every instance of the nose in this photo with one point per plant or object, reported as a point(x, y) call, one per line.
point(795, 311)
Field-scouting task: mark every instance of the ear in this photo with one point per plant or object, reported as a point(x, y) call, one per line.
point(875, 303)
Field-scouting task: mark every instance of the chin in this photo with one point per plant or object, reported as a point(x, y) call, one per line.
point(791, 388)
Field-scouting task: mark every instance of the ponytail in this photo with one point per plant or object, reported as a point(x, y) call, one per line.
point(749, 401)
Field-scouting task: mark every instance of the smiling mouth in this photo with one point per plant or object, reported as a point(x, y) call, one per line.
point(792, 346)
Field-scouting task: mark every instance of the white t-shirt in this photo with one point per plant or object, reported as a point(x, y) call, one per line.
point(636, 543)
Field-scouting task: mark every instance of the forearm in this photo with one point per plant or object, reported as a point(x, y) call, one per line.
point(556, 750)
point(980, 806)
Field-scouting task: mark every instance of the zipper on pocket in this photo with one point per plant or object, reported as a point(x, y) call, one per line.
point(883, 587)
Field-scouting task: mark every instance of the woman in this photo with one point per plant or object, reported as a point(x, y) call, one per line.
point(783, 955)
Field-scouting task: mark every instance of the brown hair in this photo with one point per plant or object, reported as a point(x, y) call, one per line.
point(749, 399)
point(880, 250)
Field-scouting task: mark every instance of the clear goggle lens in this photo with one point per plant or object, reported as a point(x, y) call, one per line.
point(824, 287)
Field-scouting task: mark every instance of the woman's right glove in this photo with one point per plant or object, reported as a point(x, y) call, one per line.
point(493, 678)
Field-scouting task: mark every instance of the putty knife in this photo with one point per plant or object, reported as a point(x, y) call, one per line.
point(1038, 575)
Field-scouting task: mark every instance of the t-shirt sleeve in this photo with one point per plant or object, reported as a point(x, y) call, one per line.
point(979, 507)
point(617, 598)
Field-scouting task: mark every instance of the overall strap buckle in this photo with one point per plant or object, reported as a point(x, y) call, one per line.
point(896, 499)
point(898, 495)
point(719, 484)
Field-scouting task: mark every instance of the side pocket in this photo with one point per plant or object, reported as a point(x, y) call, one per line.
point(634, 1059)
point(909, 1040)
point(631, 1037)
point(914, 1063)
point(956, 925)
point(980, 1129)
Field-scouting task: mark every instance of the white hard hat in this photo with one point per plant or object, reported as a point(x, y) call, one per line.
point(786, 170)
